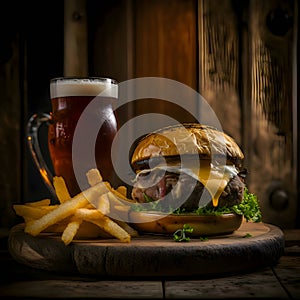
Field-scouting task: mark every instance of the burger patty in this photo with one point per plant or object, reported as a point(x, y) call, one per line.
point(174, 186)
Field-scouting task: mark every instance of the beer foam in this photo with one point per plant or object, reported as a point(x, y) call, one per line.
point(83, 87)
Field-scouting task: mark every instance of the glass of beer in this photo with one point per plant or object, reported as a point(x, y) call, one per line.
point(70, 99)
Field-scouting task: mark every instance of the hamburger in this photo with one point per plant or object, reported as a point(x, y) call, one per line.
point(191, 174)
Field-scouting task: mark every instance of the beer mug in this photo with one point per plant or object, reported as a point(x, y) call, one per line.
point(70, 98)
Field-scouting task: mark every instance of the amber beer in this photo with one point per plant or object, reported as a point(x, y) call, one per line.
point(69, 98)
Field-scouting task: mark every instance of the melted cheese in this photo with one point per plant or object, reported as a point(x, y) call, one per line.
point(214, 178)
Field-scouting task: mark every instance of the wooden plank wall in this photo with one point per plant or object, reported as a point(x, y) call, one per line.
point(219, 58)
point(165, 45)
point(166, 38)
point(272, 147)
point(11, 117)
point(246, 61)
point(75, 38)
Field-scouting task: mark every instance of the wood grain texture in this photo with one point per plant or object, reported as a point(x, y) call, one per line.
point(270, 153)
point(151, 255)
point(219, 62)
point(165, 43)
point(110, 42)
point(165, 40)
point(75, 41)
point(111, 48)
point(272, 282)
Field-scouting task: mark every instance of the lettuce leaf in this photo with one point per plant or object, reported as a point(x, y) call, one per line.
point(249, 207)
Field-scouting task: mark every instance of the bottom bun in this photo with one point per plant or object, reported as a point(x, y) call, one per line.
point(159, 223)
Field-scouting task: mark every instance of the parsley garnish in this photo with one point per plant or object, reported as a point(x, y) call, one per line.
point(180, 234)
point(247, 235)
point(249, 207)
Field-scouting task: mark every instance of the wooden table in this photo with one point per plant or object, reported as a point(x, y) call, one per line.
point(281, 280)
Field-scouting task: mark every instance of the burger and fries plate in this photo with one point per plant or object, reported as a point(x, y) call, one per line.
point(84, 216)
point(99, 211)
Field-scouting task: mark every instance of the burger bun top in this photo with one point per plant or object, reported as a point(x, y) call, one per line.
point(187, 139)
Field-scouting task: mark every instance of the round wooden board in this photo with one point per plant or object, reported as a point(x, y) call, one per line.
point(152, 256)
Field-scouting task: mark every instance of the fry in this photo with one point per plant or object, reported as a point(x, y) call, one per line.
point(131, 231)
point(88, 214)
point(71, 230)
point(118, 206)
point(112, 228)
point(117, 194)
point(61, 189)
point(65, 209)
point(120, 195)
point(91, 206)
point(122, 190)
point(86, 229)
point(90, 230)
point(32, 211)
point(58, 227)
point(121, 208)
point(93, 177)
point(43, 202)
point(103, 204)
point(116, 202)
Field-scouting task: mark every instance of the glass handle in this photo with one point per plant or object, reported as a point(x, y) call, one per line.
point(33, 126)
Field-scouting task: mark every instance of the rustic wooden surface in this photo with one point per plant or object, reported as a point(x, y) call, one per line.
point(280, 281)
point(152, 256)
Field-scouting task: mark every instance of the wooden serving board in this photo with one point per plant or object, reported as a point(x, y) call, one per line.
point(152, 256)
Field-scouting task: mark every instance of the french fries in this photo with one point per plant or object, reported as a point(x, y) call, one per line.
point(33, 212)
point(112, 227)
point(93, 177)
point(132, 232)
point(61, 189)
point(70, 231)
point(83, 216)
point(122, 190)
point(43, 202)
